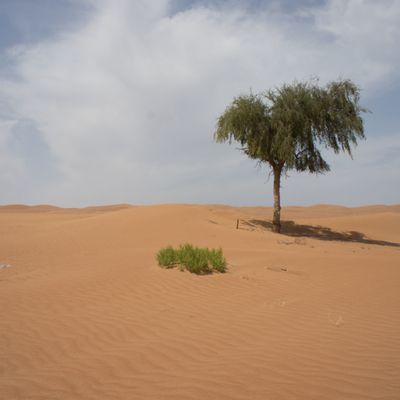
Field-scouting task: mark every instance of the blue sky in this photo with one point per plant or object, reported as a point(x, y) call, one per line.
point(114, 101)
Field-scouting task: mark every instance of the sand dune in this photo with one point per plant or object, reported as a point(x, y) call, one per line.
point(86, 313)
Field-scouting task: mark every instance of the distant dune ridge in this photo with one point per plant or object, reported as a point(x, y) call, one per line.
point(313, 313)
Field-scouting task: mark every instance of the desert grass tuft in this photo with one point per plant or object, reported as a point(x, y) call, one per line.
point(167, 257)
point(197, 260)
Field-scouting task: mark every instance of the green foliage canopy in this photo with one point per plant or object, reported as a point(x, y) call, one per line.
point(286, 127)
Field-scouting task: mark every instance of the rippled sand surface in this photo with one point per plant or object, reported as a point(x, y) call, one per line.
point(86, 313)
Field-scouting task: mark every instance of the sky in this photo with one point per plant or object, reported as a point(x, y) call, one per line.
point(116, 101)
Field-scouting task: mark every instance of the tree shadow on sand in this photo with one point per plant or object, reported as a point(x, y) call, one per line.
point(290, 228)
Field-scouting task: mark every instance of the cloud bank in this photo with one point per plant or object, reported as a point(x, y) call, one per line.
point(123, 107)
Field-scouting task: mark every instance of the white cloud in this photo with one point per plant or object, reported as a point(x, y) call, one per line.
point(366, 32)
point(127, 104)
point(12, 169)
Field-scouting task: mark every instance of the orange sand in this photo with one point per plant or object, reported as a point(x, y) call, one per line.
point(87, 314)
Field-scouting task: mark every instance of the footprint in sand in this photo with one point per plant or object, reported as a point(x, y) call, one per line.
point(336, 320)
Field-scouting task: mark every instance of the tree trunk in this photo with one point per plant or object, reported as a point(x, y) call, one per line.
point(276, 221)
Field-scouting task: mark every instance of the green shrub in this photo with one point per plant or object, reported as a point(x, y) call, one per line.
point(167, 257)
point(217, 260)
point(195, 259)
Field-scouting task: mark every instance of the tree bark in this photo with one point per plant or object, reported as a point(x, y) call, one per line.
point(276, 220)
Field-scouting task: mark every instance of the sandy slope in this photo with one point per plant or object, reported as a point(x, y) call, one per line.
point(87, 314)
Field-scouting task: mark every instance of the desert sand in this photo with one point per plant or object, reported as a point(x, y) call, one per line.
point(86, 312)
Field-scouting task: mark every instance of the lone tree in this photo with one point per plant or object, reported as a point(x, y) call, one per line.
point(287, 126)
